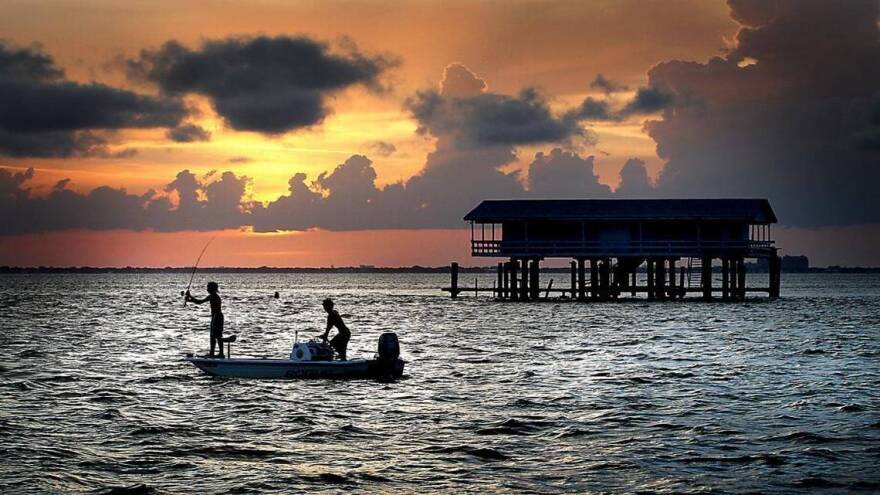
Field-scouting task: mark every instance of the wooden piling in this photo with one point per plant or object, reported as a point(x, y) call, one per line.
point(582, 279)
point(660, 279)
point(725, 279)
point(672, 292)
point(741, 279)
point(594, 279)
point(605, 279)
point(652, 293)
point(573, 279)
point(524, 280)
point(453, 283)
point(682, 289)
point(731, 279)
point(514, 269)
point(774, 272)
point(534, 282)
point(635, 281)
point(706, 278)
point(505, 292)
point(499, 281)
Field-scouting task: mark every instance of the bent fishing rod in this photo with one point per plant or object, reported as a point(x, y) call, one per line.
point(189, 285)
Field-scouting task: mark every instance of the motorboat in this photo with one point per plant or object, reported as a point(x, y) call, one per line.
point(308, 359)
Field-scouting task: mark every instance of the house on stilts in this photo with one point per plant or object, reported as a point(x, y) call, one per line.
point(676, 243)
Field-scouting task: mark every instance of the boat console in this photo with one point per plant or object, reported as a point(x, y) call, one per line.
point(312, 350)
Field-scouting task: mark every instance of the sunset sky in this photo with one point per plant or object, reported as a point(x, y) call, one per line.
point(360, 132)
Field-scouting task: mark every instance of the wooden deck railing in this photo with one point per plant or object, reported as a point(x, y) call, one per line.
point(619, 248)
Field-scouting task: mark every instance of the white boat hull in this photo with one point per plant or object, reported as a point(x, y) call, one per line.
point(286, 368)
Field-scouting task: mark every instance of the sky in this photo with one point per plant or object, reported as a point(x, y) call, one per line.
point(342, 133)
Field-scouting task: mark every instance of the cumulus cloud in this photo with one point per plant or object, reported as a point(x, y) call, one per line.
point(188, 133)
point(344, 199)
point(464, 113)
point(491, 119)
point(202, 204)
point(264, 84)
point(457, 174)
point(44, 115)
point(634, 180)
point(794, 124)
point(564, 174)
point(461, 82)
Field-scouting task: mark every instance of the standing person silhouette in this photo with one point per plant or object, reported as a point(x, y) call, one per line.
point(340, 341)
point(216, 315)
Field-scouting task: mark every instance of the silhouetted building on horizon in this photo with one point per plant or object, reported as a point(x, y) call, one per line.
point(616, 237)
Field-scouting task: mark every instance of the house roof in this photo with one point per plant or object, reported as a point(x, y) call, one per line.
point(756, 211)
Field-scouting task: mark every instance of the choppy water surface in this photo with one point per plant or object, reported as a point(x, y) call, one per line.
point(777, 396)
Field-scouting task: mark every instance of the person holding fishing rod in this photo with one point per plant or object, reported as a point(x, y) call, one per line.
point(213, 297)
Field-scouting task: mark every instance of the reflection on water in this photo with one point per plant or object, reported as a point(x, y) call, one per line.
point(542, 397)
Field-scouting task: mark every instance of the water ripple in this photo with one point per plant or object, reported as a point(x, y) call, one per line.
point(767, 396)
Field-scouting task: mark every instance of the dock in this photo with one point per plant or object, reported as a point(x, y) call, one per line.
point(678, 243)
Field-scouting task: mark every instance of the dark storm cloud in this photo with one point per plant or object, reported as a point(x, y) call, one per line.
point(457, 174)
point(188, 133)
point(34, 106)
point(491, 119)
point(786, 115)
point(51, 144)
point(606, 85)
point(43, 115)
point(11, 183)
point(29, 64)
point(464, 168)
point(648, 100)
point(592, 109)
point(264, 84)
point(757, 122)
point(465, 116)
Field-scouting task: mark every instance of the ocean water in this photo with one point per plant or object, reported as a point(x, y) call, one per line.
point(549, 397)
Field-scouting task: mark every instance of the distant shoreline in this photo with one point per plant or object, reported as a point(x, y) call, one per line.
point(348, 269)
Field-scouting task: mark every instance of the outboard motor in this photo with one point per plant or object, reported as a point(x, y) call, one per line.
point(387, 365)
point(389, 346)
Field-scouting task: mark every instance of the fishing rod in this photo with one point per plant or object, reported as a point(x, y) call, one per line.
point(189, 285)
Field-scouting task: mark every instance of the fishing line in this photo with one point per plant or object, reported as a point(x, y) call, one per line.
point(189, 285)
